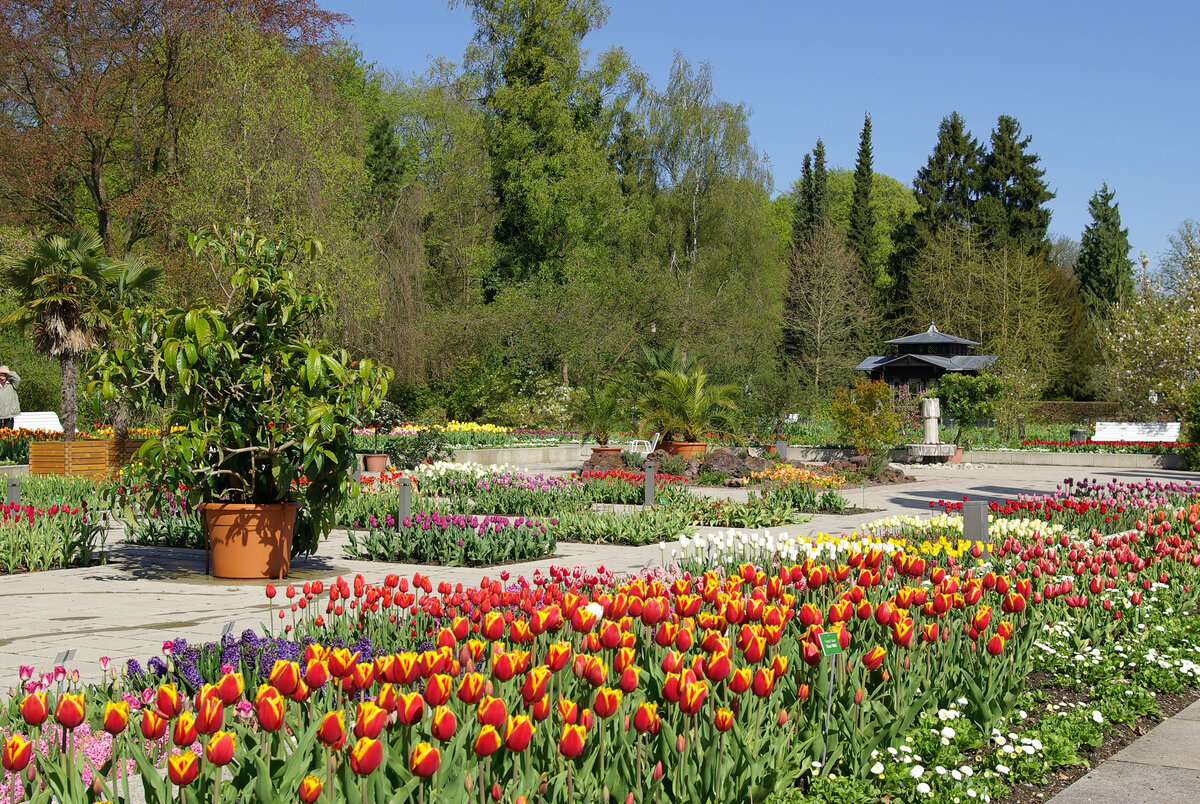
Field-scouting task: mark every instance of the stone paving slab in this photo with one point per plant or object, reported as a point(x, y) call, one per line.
point(1133, 783)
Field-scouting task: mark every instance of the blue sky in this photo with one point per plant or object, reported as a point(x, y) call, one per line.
point(1108, 91)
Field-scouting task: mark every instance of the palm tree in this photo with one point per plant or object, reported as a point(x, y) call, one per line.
point(68, 293)
point(684, 402)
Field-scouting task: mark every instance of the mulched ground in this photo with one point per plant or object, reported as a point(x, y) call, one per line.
point(1121, 736)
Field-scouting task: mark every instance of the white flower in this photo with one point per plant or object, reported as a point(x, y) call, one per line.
point(967, 771)
point(917, 772)
point(1002, 769)
point(948, 733)
point(877, 768)
point(940, 770)
point(922, 788)
point(1096, 716)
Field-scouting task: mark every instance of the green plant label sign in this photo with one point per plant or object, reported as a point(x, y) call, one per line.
point(829, 643)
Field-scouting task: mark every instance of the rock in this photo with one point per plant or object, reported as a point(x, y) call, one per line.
point(724, 462)
point(756, 464)
point(603, 462)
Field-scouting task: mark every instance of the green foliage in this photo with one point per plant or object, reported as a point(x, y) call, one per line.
point(673, 465)
point(256, 402)
point(41, 377)
point(865, 416)
point(633, 460)
point(948, 186)
point(684, 402)
point(1103, 267)
point(1191, 432)
point(970, 398)
point(1013, 194)
point(452, 541)
point(812, 203)
point(861, 231)
point(598, 411)
point(642, 527)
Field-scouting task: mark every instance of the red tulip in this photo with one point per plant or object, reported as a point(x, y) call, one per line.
point(518, 731)
point(444, 723)
point(874, 659)
point(995, 645)
point(17, 753)
point(692, 697)
point(316, 675)
point(438, 689)
point(210, 715)
point(35, 709)
point(116, 717)
point(764, 682)
point(606, 702)
point(342, 662)
point(491, 712)
point(70, 711)
point(739, 681)
point(425, 760)
point(487, 742)
point(269, 707)
point(220, 748)
point(154, 725)
point(645, 718)
point(724, 720)
point(184, 733)
point(572, 741)
point(366, 756)
point(332, 731)
point(285, 676)
point(409, 708)
point(369, 720)
point(230, 688)
point(310, 789)
point(182, 769)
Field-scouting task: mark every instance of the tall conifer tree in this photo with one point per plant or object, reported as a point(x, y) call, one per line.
point(1104, 269)
point(947, 188)
point(1013, 193)
point(861, 234)
point(802, 215)
point(820, 190)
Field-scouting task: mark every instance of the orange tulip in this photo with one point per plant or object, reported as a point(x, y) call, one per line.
point(184, 733)
point(310, 789)
point(220, 748)
point(154, 725)
point(35, 709)
point(168, 701)
point(369, 720)
point(332, 731)
point(573, 740)
point(70, 711)
point(182, 769)
point(366, 756)
point(425, 760)
point(17, 753)
point(116, 717)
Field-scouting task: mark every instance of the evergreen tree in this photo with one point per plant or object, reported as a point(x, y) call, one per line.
point(819, 205)
point(1011, 207)
point(385, 161)
point(1104, 269)
point(802, 218)
point(861, 234)
point(947, 188)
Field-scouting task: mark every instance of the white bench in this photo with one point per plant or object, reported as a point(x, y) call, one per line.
point(38, 420)
point(1166, 432)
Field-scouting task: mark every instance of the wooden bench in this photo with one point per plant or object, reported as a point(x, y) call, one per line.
point(38, 420)
point(1165, 432)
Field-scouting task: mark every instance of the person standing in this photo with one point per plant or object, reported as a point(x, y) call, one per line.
point(10, 406)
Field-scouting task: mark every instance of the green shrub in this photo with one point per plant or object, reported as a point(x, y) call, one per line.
point(633, 460)
point(1191, 430)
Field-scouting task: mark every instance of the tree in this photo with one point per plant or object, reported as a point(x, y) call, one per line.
point(861, 235)
point(970, 398)
point(1104, 269)
point(947, 187)
point(812, 206)
point(1013, 194)
point(91, 129)
point(68, 294)
point(866, 416)
point(827, 310)
point(892, 206)
point(803, 191)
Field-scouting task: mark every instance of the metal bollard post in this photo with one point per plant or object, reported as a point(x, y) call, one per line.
point(781, 448)
point(14, 490)
point(649, 483)
point(975, 522)
point(404, 508)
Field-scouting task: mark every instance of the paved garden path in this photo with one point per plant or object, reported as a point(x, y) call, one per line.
point(142, 596)
point(1162, 767)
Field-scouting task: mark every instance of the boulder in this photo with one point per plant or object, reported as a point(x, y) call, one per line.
point(603, 462)
point(725, 462)
point(755, 464)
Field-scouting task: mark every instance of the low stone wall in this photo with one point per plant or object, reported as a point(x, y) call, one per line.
point(1104, 460)
point(565, 454)
point(14, 469)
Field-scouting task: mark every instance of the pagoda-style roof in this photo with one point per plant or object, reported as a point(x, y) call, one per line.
point(931, 336)
point(946, 363)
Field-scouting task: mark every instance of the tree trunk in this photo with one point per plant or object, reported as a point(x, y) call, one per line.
point(70, 394)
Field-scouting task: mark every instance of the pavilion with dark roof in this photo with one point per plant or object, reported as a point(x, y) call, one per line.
point(921, 359)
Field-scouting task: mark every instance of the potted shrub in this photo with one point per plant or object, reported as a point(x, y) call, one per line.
point(259, 411)
point(683, 403)
point(598, 410)
point(386, 417)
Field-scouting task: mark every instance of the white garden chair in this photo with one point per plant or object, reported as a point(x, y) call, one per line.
point(643, 446)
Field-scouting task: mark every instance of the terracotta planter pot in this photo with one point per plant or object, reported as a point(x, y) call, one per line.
point(606, 450)
point(956, 457)
point(687, 449)
point(375, 462)
point(250, 541)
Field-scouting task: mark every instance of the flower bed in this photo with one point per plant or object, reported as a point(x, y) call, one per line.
point(14, 444)
point(452, 540)
point(36, 539)
point(622, 486)
point(706, 680)
point(1124, 447)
